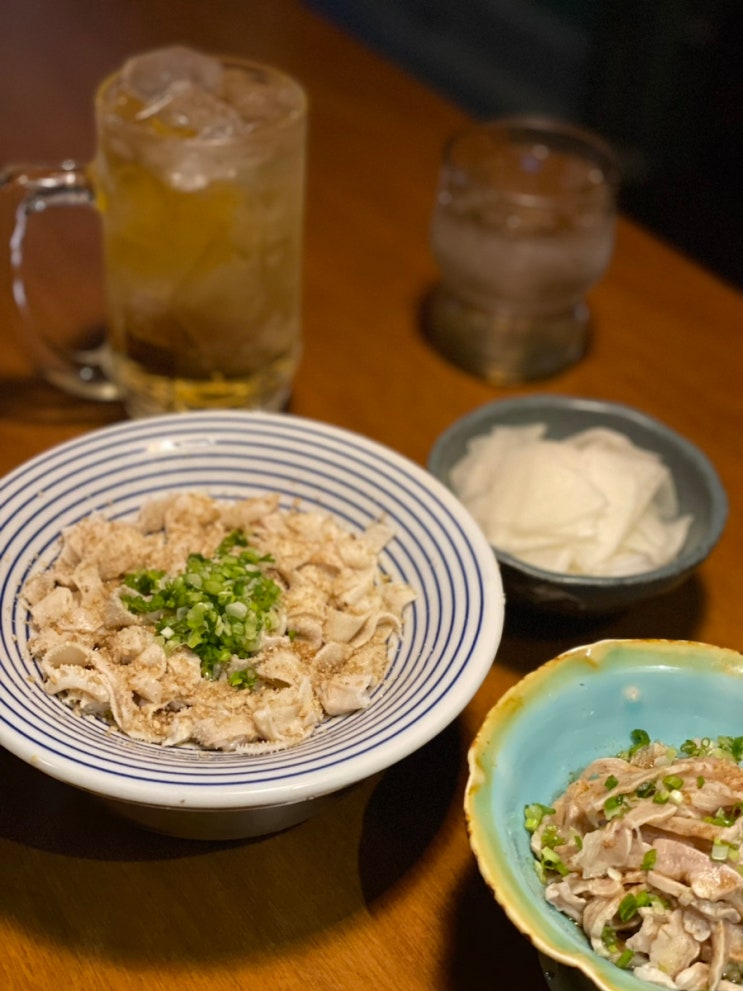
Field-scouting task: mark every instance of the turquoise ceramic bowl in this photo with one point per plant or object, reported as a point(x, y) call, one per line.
point(575, 708)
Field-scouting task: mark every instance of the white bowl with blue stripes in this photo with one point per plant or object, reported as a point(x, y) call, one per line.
point(451, 634)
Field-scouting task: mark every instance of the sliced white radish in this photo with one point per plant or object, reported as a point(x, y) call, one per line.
point(593, 503)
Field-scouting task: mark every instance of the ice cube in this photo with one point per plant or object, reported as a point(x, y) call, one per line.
point(149, 77)
point(196, 113)
point(257, 98)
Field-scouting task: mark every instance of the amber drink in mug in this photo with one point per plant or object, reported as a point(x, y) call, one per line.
point(199, 179)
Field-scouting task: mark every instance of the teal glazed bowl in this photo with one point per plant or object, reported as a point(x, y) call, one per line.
point(699, 489)
point(582, 705)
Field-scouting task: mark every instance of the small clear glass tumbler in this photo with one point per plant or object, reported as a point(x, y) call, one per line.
point(523, 226)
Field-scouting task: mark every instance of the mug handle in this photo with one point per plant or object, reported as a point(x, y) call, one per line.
point(31, 189)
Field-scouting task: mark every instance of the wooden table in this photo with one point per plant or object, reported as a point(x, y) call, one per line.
point(380, 891)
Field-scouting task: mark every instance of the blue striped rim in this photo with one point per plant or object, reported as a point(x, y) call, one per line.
point(450, 638)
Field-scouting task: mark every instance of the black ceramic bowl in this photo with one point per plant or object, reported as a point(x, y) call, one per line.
point(698, 486)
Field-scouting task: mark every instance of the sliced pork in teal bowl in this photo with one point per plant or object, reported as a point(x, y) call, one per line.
point(605, 811)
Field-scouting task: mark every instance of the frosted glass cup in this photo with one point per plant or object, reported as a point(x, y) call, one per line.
point(522, 227)
point(199, 181)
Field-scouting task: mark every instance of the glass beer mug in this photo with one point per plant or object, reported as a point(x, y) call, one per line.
point(199, 180)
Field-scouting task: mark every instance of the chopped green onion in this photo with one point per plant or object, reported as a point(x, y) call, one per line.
point(615, 806)
point(673, 782)
point(551, 837)
point(639, 739)
point(609, 939)
point(611, 782)
point(145, 582)
point(238, 610)
point(720, 850)
point(627, 908)
point(645, 790)
point(733, 745)
point(247, 678)
point(625, 959)
point(534, 813)
point(648, 861)
point(552, 862)
point(724, 818)
point(730, 747)
point(218, 607)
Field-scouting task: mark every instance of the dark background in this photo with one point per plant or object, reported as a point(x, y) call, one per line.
point(661, 79)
